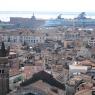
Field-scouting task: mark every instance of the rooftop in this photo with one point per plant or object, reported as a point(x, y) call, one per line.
point(46, 77)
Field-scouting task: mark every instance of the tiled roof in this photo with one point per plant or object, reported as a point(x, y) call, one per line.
point(45, 77)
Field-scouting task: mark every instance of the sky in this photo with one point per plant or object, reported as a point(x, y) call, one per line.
point(26, 7)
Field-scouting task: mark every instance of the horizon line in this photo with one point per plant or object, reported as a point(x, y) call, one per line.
point(46, 12)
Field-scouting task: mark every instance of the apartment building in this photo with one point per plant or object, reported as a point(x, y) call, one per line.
point(23, 36)
point(72, 35)
point(91, 42)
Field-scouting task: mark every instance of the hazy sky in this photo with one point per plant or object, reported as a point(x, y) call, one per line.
point(47, 5)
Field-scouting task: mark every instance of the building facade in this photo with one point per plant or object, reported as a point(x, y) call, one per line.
point(91, 42)
point(24, 37)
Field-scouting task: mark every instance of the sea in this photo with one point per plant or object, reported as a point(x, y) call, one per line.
point(5, 15)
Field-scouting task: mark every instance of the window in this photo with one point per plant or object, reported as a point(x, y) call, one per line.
point(26, 37)
point(34, 41)
point(2, 71)
point(31, 40)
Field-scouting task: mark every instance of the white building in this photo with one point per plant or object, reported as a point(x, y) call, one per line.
point(91, 41)
point(77, 69)
point(24, 36)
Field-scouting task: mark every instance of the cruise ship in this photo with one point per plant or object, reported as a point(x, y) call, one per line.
point(80, 21)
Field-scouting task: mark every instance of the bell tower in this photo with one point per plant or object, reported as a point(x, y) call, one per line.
point(4, 70)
